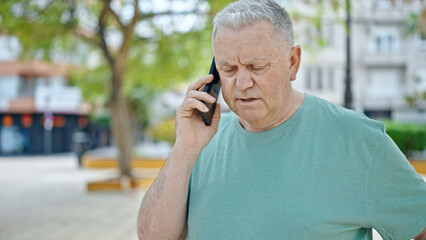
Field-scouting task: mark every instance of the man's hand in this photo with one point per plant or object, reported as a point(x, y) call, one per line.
point(191, 132)
point(421, 236)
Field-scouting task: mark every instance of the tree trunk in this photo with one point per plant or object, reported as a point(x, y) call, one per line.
point(121, 124)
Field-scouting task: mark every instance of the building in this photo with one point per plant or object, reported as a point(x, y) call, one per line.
point(38, 111)
point(388, 63)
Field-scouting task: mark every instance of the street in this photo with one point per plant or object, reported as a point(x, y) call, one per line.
point(46, 198)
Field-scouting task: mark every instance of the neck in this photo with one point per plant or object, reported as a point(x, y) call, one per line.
point(291, 105)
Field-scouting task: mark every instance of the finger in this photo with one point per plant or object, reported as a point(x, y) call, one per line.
point(200, 82)
point(216, 115)
point(202, 88)
point(192, 104)
point(202, 96)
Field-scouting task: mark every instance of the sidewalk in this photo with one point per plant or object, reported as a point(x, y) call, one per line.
point(46, 198)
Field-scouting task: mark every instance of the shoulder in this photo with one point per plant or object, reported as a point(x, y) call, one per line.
point(346, 120)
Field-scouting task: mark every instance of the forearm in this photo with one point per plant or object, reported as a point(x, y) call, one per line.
point(163, 211)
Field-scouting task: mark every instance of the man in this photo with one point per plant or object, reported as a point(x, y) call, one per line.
point(282, 165)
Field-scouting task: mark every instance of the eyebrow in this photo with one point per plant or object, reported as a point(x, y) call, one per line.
point(250, 60)
point(225, 63)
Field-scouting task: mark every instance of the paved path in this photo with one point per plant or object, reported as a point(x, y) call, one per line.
point(45, 198)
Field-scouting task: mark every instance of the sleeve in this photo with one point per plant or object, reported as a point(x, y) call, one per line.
point(396, 194)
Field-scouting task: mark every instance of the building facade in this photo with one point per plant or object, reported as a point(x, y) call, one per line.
point(388, 61)
point(39, 113)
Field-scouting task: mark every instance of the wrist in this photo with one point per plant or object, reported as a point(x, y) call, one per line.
point(186, 151)
point(186, 156)
point(188, 146)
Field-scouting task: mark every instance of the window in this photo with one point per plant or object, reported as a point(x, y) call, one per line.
point(26, 87)
point(379, 44)
point(308, 79)
point(385, 43)
point(9, 86)
point(384, 5)
point(423, 41)
point(319, 79)
point(390, 42)
point(331, 79)
point(385, 83)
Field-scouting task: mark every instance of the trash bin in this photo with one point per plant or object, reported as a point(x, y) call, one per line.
point(81, 142)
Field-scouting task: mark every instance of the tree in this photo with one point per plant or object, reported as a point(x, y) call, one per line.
point(45, 25)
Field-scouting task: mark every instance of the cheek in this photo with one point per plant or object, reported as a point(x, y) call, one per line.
point(275, 90)
point(227, 89)
point(271, 93)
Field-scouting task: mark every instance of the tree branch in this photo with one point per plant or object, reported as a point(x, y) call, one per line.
point(101, 32)
point(129, 31)
point(143, 39)
point(167, 13)
point(86, 35)
point(113, 14)
point(39, 11)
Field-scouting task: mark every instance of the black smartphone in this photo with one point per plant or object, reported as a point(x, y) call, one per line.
point(212, 88)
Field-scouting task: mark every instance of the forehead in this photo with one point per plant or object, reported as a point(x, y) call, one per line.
point(257, 41)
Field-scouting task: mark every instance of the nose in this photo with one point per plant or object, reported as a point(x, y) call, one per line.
point(244, 80)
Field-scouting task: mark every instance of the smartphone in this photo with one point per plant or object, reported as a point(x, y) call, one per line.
point(212, 88)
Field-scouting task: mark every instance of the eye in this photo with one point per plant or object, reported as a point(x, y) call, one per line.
point(259, 67)
point(228, 70)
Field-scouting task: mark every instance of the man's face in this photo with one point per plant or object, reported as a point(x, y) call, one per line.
point(256, 71)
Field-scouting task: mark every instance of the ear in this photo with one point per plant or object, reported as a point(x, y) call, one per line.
point(295, 58)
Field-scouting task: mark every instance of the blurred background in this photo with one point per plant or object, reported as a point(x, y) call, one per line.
point(87, 81)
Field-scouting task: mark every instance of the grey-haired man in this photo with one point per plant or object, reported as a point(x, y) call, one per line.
point(282, 164)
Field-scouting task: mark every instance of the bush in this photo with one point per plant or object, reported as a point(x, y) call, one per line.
point(163, 131)
point(408, 137)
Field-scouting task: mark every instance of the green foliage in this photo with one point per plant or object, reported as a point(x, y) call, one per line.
point(416, 22)
point(94, 83)
point(415, 99)
point(411, 23)
point(218, 5)
point(102, 120)
point(408, 137)
point(163, 131)
point(152, 68)
point(173, 58)
point(38, 25)
point(312, 22)
point(154, 63)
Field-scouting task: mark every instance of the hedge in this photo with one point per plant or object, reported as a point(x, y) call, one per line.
point(408, 136)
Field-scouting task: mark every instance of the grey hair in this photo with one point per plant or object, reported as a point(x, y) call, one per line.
point(248, 12)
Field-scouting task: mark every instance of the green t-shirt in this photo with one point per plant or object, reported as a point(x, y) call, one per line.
point(325, 173)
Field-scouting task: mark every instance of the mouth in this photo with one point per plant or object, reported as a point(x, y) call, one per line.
point(247, 100)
